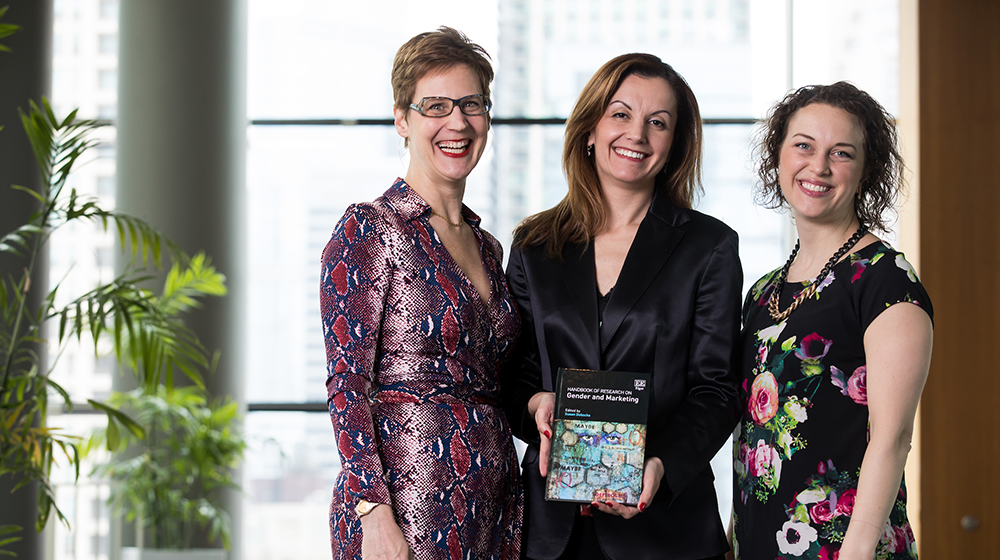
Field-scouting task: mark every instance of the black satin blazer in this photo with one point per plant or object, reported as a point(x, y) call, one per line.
point(675, 313)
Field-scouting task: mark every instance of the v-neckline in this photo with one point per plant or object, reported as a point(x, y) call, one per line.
point(468, 284)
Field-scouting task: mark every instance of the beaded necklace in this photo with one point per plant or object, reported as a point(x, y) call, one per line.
point(772, 303)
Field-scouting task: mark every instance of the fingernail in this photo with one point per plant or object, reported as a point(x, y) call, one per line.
point(642, 506)
point(595, 504)
point(547, 433)
point(609, 504)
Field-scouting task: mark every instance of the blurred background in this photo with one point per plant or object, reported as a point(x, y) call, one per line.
point(318, 137)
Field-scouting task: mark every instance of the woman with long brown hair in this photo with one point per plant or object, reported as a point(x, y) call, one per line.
point(623, 275)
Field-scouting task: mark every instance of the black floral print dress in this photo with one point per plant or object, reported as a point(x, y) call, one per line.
point(798, 449)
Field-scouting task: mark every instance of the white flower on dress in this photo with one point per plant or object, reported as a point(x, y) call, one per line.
point(785, 442)
point(904, 264)
point(771, 334)
point(826, 282)
point(811, 496)
point(794, 537)
point(793, 408)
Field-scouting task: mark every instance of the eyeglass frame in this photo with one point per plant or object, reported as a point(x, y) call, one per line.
point(419, 107)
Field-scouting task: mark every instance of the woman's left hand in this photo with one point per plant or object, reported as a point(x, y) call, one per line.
point(651, 476)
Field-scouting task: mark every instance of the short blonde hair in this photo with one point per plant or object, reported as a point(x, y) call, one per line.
point(433, 51)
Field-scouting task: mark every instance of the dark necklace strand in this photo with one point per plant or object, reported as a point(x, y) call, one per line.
point(772, 303)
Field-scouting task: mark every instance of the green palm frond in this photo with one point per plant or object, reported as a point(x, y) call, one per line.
point(6, 29)
point(146, 329)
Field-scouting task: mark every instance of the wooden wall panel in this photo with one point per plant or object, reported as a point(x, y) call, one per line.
point(959, 162)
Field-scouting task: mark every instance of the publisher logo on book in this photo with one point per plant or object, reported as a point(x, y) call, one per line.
point(640, 384)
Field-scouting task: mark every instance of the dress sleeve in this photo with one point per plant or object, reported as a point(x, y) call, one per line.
point(884, 280)
point(354, 281)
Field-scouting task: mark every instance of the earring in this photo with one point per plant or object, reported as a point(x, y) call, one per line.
point(590, 150)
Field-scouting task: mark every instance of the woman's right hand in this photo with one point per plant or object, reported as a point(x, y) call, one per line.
point(542, 407)
point(381, 538)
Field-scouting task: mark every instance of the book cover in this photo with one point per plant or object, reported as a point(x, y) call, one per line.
point(599, 436)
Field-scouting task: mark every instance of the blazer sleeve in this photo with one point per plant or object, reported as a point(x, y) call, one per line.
point(706, 417)
point(354, 281)
point(522, 373)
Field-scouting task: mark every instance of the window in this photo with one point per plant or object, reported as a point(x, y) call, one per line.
point(109, 9)
point(107, 44)
point(731, 70)
point(734, 62)
point(106, 185)
point(107, 111)
point(107, 80)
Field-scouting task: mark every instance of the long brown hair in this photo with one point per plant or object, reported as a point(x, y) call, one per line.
point(581, 214)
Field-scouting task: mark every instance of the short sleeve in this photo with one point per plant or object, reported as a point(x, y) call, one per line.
point(883, 280)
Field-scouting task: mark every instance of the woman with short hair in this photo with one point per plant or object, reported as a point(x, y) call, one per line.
point(418, 319)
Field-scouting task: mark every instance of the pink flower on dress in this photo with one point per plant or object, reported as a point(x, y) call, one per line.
point(813, 347)
point(901, 539)
point(820, 512)
point(894, 538)
point(845, 506)
point(762, 459)
point(763, 398)
point(829, 552)
point(857, 386)
point(759, 459)
point(858, 267)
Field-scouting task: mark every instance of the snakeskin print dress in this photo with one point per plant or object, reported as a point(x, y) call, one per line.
point(413, 360)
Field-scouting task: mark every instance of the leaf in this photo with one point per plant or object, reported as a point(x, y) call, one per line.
point(114, 440)
point(788, 344)
point(127, 421)
point(32, 192)
point(8, 529)
point(62, 392)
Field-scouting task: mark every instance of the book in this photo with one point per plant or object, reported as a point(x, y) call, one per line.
point(599, 436)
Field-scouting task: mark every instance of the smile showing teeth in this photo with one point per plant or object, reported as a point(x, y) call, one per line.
point(630, 153)
point(812, 187)
point(453, 147)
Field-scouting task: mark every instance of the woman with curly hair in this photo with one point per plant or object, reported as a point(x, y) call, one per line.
point(836, 343)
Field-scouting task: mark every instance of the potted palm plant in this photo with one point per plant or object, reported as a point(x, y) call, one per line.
point(169, 481)
point(146, 330)
point(170, 487)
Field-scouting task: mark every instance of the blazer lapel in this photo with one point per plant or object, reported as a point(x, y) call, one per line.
point(581, 285)
point(654, 242)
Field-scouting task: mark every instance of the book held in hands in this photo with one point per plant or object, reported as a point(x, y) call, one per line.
point(599, 436)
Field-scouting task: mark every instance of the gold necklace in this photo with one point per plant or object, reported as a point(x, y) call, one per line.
point(451, 223)
point(772, 302)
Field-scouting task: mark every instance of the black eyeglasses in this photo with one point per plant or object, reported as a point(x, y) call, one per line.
point(437, 107)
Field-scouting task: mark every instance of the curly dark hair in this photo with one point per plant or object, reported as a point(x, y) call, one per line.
point(882, 179)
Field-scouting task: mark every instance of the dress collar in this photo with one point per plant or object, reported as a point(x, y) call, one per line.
point(411, 205)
